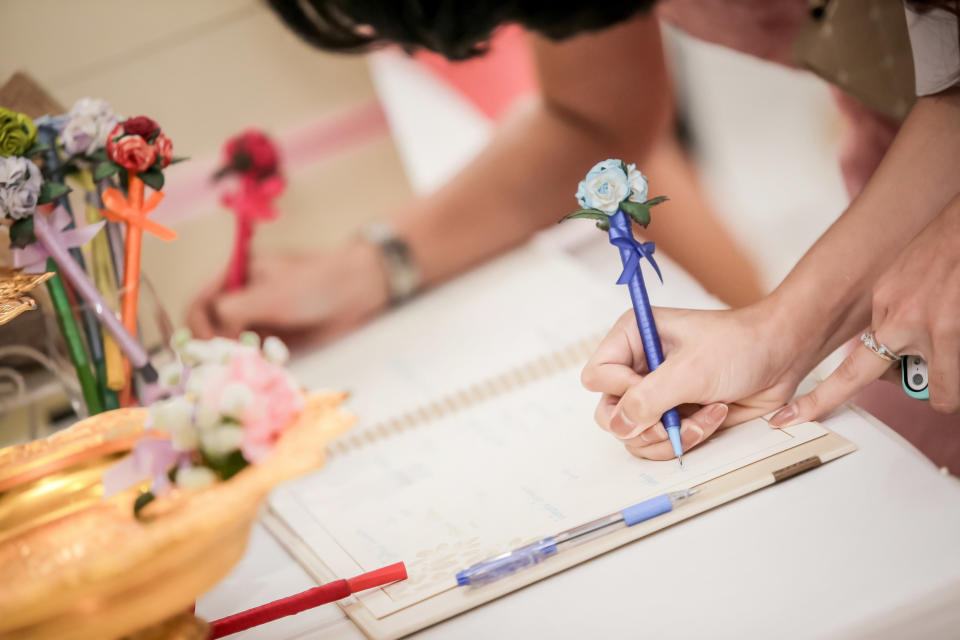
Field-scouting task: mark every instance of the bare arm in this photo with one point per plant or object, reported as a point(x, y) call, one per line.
point(602, 95)
point(827, 296)
point(753, 358)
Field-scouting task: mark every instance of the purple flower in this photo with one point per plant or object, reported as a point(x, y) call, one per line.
point(151, 458)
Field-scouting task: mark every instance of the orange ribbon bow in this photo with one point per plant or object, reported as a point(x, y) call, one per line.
point(119, 209)
point(133, 213)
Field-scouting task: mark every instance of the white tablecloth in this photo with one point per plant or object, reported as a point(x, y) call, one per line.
point(867, 545)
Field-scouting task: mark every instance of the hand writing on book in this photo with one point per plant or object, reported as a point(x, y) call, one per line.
point(720, 370)
point(306, 297)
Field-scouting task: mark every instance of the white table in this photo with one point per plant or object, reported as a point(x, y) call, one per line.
point(866, 544)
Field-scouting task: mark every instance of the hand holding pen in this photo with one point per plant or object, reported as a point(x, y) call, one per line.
point(633, 400)
point(615, 196)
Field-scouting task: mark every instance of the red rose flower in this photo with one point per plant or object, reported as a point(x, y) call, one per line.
point(263, 155)
point(117, 132)
point(133, 153)
point(164, 149)
point(140, 126)
point(250, 153)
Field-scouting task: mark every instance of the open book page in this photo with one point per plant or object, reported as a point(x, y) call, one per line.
point(454, 490)
point(527, 304)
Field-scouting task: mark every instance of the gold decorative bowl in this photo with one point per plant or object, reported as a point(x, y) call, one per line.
point(77, 566)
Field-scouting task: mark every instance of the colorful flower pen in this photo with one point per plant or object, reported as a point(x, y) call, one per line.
point(83, 138)
point(53, 240)
point(47, 131)
point(253, 157)
point(615, 195)
point(138, 150)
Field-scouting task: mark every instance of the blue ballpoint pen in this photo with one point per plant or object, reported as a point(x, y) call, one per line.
point(503, 565)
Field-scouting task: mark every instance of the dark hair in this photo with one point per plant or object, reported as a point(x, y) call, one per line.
point(457, 29)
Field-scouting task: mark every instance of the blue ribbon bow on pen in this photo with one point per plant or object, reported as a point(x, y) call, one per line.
point(637, 250)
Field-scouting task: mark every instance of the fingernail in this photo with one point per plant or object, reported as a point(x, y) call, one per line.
point(656, 434)
point(690, 434)
point(784, 416)
point(717, 413)
point(622, 426)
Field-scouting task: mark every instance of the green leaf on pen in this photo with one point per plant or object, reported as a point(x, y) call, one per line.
point(225, 466)
point(153, 178)
point(105, 169)
point(590, 214)
point(35, 149)
point(639, 212)
point(21, 233)
point(50, 191)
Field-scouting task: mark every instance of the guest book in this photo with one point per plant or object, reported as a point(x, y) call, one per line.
point(475, 436)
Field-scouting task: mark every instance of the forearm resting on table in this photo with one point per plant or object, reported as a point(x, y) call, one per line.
point(525, 179)
point(522, 182)
point(826, 298)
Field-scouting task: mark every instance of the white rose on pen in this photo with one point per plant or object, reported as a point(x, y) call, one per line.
point(20, 183)
point(604, 188)
point(81, 134)
point(638, 184)
point(89, 122)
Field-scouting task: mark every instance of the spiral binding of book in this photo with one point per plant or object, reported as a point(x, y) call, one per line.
point(574, 354)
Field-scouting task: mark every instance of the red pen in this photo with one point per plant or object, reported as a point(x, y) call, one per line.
point(324, 594)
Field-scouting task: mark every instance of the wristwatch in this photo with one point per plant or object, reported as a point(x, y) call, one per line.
point(403, 277)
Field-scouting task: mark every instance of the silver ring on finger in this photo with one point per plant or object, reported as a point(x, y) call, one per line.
point(870, 341)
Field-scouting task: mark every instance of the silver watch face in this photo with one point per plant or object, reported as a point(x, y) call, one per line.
point(403, 277)
point(379, 233)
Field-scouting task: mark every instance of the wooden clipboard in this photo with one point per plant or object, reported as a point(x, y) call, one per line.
point(449, 603)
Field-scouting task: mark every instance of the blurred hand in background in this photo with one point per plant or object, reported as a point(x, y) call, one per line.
point(302, 297)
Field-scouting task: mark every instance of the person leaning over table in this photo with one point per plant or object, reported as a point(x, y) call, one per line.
point(515, 187)
point(898, 237)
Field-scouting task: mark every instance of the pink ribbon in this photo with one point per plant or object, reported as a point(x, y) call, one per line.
point(33, 257)
point(251, 203)
point(254, 200)
point(54, 242)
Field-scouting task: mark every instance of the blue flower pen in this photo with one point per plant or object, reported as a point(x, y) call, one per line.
point(614, 194)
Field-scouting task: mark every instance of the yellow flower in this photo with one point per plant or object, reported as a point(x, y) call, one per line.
point(17, 133)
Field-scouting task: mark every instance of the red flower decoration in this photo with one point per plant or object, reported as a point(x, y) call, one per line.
point(116, 133)
point(251, 153)
point(140, 126)
point(133, 153)
point(164, 149)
